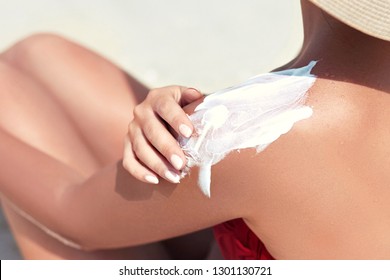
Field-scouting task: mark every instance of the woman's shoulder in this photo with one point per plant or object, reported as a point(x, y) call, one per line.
point(344, 111)
point(343, 123)
point(342, 115)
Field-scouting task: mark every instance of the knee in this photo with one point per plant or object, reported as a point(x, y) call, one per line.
point(35, 48)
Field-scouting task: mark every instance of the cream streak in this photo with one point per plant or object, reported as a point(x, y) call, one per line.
point(250, 115)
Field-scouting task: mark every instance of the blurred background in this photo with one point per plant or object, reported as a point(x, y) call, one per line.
point(206, 44)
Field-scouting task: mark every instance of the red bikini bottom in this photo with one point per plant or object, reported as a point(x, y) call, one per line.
point(238, 242)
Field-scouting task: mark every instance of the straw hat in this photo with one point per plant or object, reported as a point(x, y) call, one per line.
point(368, 16)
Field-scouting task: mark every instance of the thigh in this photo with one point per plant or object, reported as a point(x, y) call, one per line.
point(30, 113)
point(96, 96)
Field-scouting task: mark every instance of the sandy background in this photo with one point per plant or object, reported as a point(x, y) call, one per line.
point(207, 44)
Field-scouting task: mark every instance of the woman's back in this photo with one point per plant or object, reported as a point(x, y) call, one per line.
point(323, 189)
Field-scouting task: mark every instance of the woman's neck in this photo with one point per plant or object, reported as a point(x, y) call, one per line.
point(343, 53)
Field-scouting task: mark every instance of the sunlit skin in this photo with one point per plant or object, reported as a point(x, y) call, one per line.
point(320, 191)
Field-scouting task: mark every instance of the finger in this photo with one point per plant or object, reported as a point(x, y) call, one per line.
point(158, 136)
point(151, 158)
point(174, 115)
point(132, 165)
point(163, 141)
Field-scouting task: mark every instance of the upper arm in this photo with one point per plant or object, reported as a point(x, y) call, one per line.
point(112, 209)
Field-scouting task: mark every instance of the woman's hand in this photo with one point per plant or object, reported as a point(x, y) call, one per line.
point(150, 149)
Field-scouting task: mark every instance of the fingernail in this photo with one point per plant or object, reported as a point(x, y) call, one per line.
point(173, 177)
point(185, 130)
point(151, 179)
point(176, 162)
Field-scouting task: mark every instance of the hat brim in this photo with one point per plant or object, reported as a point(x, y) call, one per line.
point(368, 16)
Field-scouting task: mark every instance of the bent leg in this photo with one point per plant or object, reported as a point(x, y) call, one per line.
point(33, 114)
point(96, 96)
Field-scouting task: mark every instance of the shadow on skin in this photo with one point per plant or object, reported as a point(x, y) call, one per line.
point(139, 191)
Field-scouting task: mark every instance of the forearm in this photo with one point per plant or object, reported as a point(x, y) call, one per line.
point(110, 209)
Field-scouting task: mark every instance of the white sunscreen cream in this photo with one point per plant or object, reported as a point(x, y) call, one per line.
point(250, 115)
